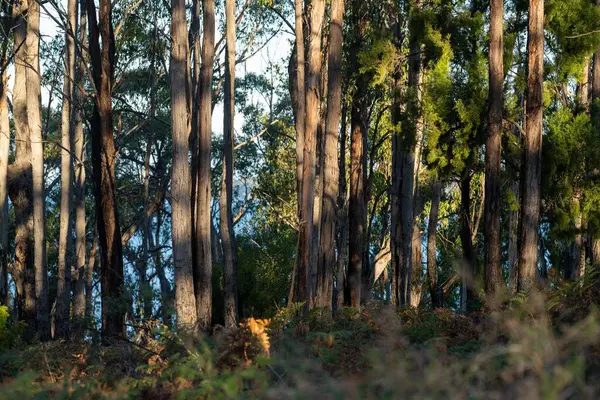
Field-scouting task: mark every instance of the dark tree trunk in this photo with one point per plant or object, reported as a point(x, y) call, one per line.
point(331, 185)
point(532, 165)
point(103, 167)
point(493, 153)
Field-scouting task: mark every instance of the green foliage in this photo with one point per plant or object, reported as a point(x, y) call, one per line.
point(10, 333)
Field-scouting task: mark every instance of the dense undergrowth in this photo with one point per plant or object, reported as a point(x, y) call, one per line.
point(544, 346)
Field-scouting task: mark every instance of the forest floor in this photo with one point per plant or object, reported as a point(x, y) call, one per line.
point(542, 346)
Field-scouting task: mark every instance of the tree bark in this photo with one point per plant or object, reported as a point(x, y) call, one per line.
point(432, 267)
point(342, 226)
point(20, 184)
point(34, 115)
point(181, 178)
point(203, 261)
point(331, 186)
point(5, 24)
point(412, 131)
point(306, 233)
point(79, 304)
point(532, 165)
point(227, 232)
point(103, 163)
point(493, 153)
point(61, 329)
point(513, 239)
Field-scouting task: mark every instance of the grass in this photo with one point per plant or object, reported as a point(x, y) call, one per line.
point(532, 348)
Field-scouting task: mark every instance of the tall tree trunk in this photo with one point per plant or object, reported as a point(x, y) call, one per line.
point(103, 163)
point(306, 233)
point(342, 228)
point(412, 131)
point(181, 178)
point(64, 247)
point(4, 150)
point(34, 114)
point(331, 185)
point(396, 242)
point(227, 232)
point(532, 165)
point(493, 153)
point(20, 185)
point(195, 127)
point(432, 267)
point(203, 260)
point(357, 215)
point(79, 305)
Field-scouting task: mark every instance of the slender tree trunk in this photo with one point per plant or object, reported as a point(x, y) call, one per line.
point(342, 226)
point(532, 168)
point(493, 153)
point(181, 177)
point(165, 287)
point(103, 163)
point(34, 114)
point(4, 150)
point(513, 238)
point(90, 307)
point(468, 294)
point(64, 247)
point(79, 304)
point(432, 267)
point(195, 127)
point(20, 185)
point(300, 278)
point(331, 185)
point(203, 261)
point(396, 243)
point(227, 232)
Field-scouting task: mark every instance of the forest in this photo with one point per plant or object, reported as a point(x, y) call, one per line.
point(271, 199)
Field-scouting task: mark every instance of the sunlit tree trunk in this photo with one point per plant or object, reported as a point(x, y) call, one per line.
point(20, 185)
point(532, 168)
point(4, 150)
point(34, 114)
point(493, 153)
point(79, 303)
point(331, 186)
point(227, 233)
point(181, 178)
point(103, 163)
point(65, 245)
point(203, 261)
point(468, 272)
